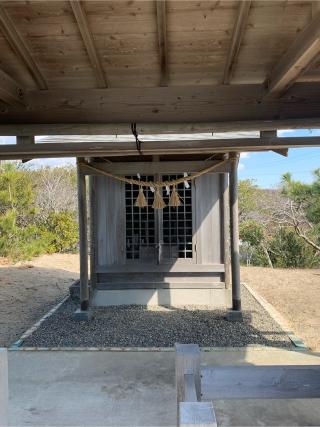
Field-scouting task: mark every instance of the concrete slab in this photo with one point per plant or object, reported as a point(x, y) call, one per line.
point(101, 388)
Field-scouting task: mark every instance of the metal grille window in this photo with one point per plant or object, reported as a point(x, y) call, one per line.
point(177, 223)
point(140, 223)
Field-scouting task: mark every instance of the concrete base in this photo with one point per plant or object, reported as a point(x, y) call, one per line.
point(82, 315)
point(216, 298)
point(234, 315)
point(101, 388)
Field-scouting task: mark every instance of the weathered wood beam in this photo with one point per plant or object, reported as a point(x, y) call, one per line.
point(304, 50)
point(234, 233)
point(10, 91)
point(152, 168)
point(25, 140)
point(19, 46)
point(267, 135)
point(162, 40)
point(178, 104)
point(116, 149)
point(87, 37)
point(237, 36)
point(83, 239)
point(260, 382)
point(4, 399)
point(155, 128)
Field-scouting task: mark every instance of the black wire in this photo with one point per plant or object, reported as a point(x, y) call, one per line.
point(135, 134)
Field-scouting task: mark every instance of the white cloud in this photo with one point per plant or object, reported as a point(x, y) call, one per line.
point(241, 166)
point(244, 155)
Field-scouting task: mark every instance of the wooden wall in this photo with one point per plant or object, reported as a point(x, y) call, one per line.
point(110, 245)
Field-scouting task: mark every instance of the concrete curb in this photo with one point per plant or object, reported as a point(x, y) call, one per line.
point(277, 317)
point(17, 344)
point(146, 349)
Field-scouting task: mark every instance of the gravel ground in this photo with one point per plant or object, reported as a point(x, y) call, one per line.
point(159, 327)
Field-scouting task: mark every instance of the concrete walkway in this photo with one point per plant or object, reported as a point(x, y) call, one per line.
point(83, 388)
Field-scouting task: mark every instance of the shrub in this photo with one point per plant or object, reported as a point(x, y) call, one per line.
point(61, 229)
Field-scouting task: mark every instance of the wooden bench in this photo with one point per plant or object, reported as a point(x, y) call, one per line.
point(197, 386)
point(3, 387)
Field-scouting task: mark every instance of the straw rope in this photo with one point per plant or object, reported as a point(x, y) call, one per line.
point(156, 184)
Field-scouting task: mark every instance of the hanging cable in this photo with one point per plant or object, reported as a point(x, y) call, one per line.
point(135, 134)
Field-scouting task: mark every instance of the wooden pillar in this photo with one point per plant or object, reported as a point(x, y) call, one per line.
point(83, 239)
point(3, 387)
point(226, 226)
point(92, 199)
point(234, 231)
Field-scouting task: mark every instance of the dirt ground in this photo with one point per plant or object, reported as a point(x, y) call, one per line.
point(295, 293)
point(28, 290)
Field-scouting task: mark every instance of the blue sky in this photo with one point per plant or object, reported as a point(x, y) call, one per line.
point(265, 168)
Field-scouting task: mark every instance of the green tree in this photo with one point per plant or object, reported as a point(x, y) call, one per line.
point(302, 211)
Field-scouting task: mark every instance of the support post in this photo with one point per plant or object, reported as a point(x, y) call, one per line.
point(92, 199)
point(226, 226)
point(235, 313)
point(3, 387)
point(187, 362)
point(83, 313)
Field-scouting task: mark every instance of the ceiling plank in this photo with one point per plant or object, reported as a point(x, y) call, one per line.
point(10, 91)
point(298, 58)
point(116, 149)
point(162, 40)
point(19, 46)
point(237, 36)
point(87, 37)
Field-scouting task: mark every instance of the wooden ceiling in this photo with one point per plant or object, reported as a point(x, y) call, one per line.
point(173, 61)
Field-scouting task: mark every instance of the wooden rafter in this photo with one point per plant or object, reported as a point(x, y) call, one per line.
point(162, 40)
point(19, 46)
point(116, 149)
point(237, 36)
point(87, 37)
point(10, 91)
point(298, 58)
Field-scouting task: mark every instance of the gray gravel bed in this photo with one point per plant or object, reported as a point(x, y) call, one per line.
point(136, 326)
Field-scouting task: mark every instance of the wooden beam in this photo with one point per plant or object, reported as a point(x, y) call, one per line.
point(10, 91)
point(175, 104)
point(19, 46)
point(269, 134)
point(260, 382)
point(4, 398)
point(162, 40)
point(234, 233)
point(83, 239)
point(301, 54)
point(116, 149)
point(25, 140)
point(237, 36)
point(154, 128)
point(152, 168)
point(197, 414)
point(87, 37)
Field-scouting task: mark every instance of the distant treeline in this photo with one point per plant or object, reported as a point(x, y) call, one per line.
point(280, 228)
point(38, 214)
